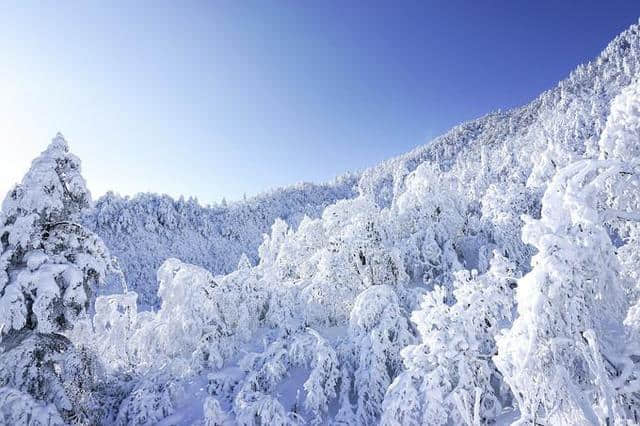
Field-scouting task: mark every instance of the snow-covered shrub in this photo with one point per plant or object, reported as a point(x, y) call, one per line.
point(32, 363)
point(254, 403)
point(50, 369)
point(151, 400)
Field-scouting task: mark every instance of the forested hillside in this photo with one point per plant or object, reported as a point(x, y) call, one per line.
point(504, 154)
point(489, 276)
point(145, 230)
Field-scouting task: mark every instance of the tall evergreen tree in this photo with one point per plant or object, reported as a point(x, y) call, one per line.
point(50, 266)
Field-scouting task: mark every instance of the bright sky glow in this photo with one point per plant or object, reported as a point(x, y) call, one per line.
point(216, 99)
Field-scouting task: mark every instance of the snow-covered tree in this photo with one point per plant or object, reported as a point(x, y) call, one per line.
point(562, 358)
point(378, 330)
point(503, 205)
point(145, 230)
point(328, 290)
point(214, 415)
point(50, 266)
point(198, 326)
point(620, 144)
point(357, 253)
point(19, 408)
point(568, 305)
point(114, 323)
point(426, 220)
point(449, 377)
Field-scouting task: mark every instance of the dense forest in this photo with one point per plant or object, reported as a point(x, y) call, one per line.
point(489, 276)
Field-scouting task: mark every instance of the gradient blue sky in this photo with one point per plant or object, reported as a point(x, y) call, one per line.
point(222, 98)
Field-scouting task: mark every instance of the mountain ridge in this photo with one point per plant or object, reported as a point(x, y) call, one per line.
point(489, 276)
point(524, 129)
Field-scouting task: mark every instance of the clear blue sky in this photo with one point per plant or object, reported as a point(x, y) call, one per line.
point(222, 98)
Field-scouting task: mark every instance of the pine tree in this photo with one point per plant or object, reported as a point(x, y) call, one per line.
point(50, 266)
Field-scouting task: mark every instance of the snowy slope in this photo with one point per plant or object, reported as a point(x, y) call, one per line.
point(507, 146)
point(488, 277)
point(571, 115)
point(144, 230)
